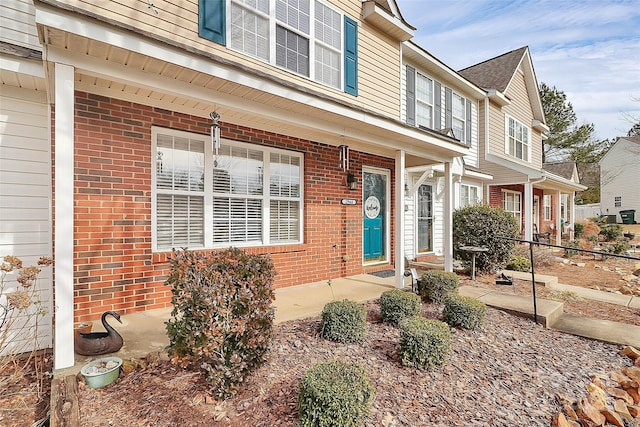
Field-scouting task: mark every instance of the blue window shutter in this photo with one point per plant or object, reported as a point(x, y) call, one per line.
point(437, 105)
point(448, 108)
point(468, 123)
point(350, 56)
point(411, 95)
point(211, 20)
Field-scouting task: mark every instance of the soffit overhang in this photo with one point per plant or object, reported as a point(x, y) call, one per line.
point(114, 62)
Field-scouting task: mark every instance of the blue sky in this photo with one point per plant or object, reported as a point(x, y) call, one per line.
point(589, 49)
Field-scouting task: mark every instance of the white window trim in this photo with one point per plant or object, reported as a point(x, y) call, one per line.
point(273, 22)
point(431, 104)
point(546, 207)
point(506, 139)
point(514, 212)
point(208, 193)
point(469, 202)
point(463, 118)
point(416, 226)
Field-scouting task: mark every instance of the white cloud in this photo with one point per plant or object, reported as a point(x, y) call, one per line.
point(588, 49)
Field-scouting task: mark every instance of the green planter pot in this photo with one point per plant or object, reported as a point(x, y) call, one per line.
point(96, 376)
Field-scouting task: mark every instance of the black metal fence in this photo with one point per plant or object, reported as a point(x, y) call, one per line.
point(566, 248)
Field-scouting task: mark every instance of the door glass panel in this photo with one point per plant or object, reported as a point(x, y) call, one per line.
point(425, 218)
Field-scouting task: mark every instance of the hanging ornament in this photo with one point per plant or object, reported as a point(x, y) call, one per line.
point(215, 136)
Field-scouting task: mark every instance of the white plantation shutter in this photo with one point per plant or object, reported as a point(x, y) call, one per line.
point(252, 196)
point(180, 192)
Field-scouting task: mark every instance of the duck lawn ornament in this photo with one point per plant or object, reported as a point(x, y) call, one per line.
point(95, 343)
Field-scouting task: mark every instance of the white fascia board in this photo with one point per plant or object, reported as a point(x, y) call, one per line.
point(55, 18)
point(563, 183)
point(539, 126)
point(381, 18)
point(19, 65)
point(532, 173)
point(444, 69)
point(498, 97)
point(479, 175)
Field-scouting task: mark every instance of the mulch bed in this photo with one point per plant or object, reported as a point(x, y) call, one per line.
point(508, 373)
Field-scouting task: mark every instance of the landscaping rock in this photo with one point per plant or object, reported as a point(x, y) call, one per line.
point(613, 417)
point(621, 409)
point(589, 413)
point(630, 352)
point(597, 396)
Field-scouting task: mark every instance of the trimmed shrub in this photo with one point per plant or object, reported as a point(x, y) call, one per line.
point(436, 286)
point(578, 230)
point(222, 319)
point(424, 343)
point(618, 247)
point(344, 321)
point(519, 263)
point(569, 253)
point(334, 394)
point(611, 232)
point(464, 311)
point(396, 304)
point(484, 226)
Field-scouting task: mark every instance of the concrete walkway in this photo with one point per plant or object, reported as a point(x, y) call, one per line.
point(145, 332)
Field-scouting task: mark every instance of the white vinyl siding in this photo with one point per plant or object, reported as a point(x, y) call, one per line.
point(244, 195)
point(301, 36)
point(25, 208)
point(18, 24)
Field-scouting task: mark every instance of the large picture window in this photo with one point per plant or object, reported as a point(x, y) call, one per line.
point(517, 139)
point(302, 36)
point(245, 195)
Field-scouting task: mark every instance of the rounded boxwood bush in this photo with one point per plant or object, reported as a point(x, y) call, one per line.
point(436, 286)
point(334, 394)
point(396, 304)
point(424, 343)
point(484, 226)
point(519, 263)
point(344, 321)
point(464, 311)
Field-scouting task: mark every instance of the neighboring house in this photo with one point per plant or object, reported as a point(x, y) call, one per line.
point(512, 128)
point(206, 125)
point(438, 98)
point(619, 178)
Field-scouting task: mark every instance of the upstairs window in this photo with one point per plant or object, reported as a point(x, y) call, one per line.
point(517, 139)
point(458, 116)
point(617, 202)
point(424, 101)
point(307, 37)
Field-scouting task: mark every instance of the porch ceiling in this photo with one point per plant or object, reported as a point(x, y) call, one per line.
point(112, 71)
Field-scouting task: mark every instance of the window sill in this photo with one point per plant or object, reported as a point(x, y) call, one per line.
point(162, 257)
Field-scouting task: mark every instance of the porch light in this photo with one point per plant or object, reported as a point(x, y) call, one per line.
point(352, 182)
point(215, 135)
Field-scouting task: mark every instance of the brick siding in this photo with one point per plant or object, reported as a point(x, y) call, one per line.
point(114, 266)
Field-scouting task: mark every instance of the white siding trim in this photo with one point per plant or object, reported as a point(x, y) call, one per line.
point(64, 134)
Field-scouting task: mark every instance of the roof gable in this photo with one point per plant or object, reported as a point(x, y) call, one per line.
point(497, 73)
point(565, 170)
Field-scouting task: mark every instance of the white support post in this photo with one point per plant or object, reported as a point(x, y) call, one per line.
point(572, 213)
point(448, 218)
point(63, 237)
point(399, 218)
point(558, 222)
point(527, 213)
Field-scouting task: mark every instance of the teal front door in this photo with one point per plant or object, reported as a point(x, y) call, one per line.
point(374, 202)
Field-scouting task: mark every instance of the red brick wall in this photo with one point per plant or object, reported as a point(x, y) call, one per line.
point(114, 266)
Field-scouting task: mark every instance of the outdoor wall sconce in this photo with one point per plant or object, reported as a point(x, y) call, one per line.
point(352, 182)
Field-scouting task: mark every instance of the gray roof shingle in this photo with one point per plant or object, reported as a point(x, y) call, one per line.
point(495, 73)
